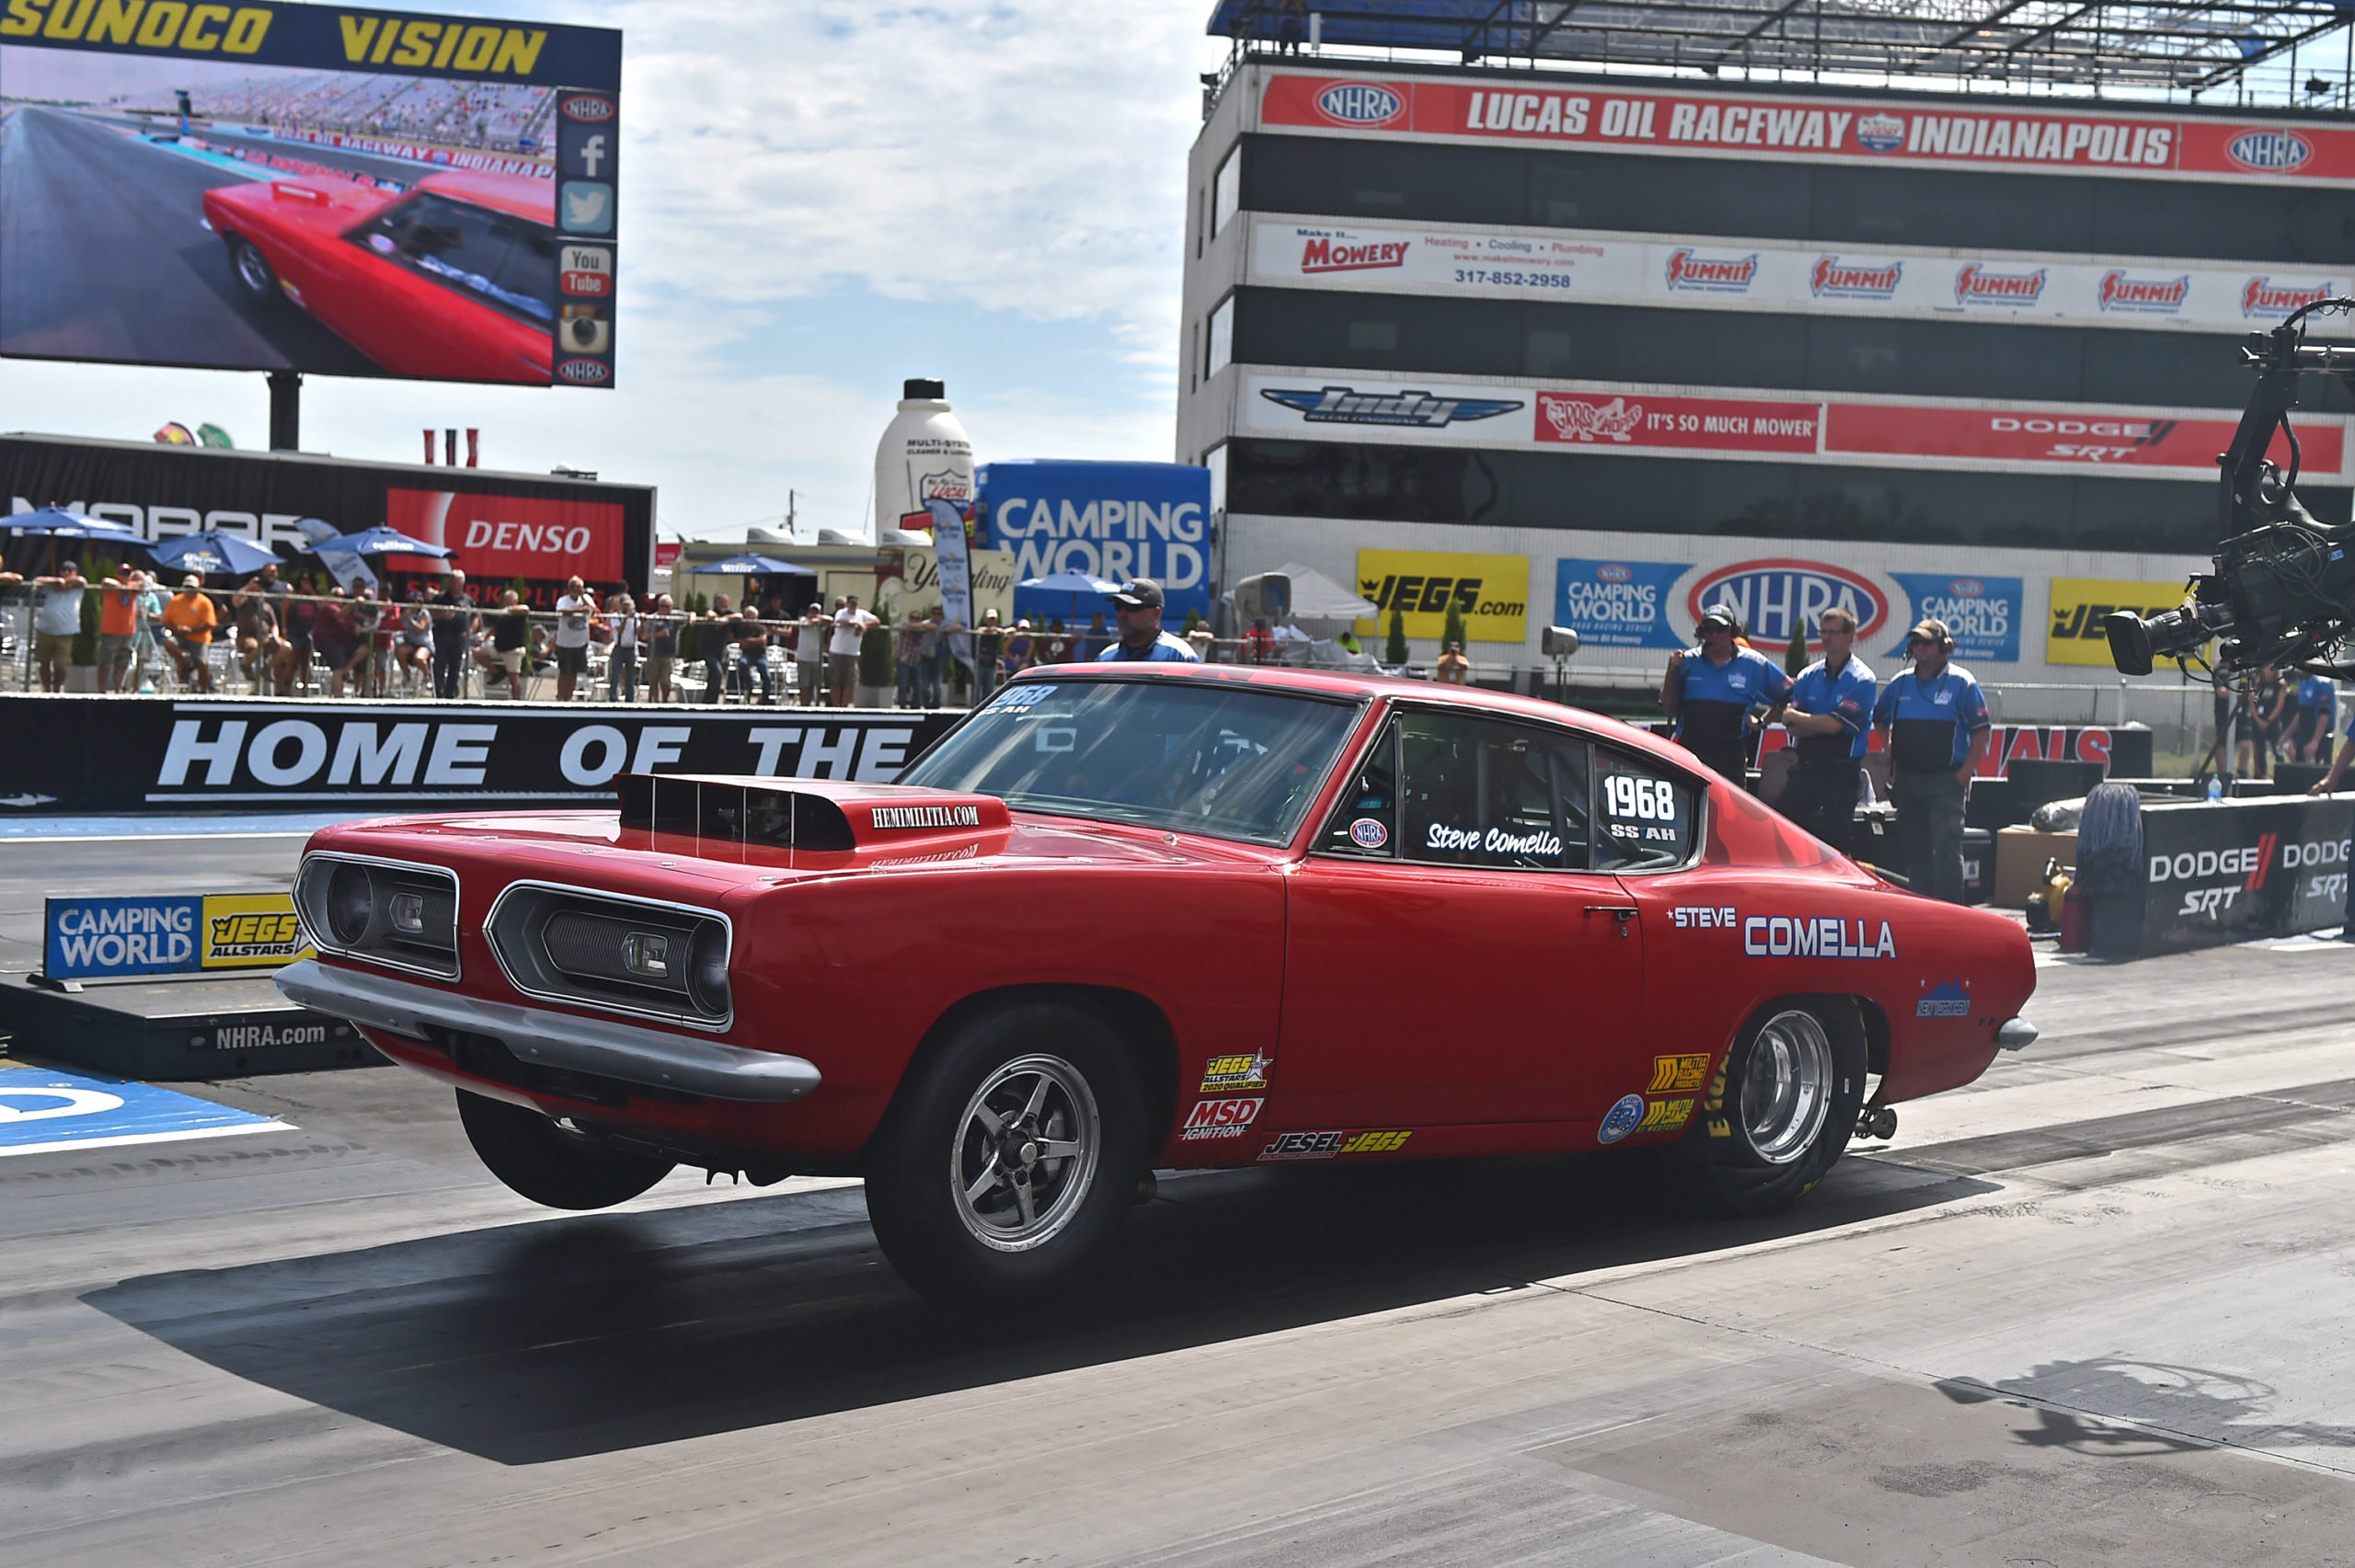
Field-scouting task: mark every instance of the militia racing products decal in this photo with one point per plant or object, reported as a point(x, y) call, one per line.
point(1622, 1119)
point(1368, 833)
point(1678, 1075)
point(1823, 936)
point(1220, 1118)
point(1952, 1000)
point(1227, 1074)
point(1328, 1145)
point(1667, 1116)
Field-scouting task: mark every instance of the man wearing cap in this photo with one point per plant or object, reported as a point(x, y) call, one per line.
point(1934, 726)
point(56, 623)
point(1710, 694)
point(1136, 605)
point(1831, 714)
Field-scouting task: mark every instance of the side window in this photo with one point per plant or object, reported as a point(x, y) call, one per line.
point(1478, 792)
point(1643, 815)
point(1226, 191)
point(1364, 824)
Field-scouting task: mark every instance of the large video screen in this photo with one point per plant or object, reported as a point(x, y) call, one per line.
point(289, 187)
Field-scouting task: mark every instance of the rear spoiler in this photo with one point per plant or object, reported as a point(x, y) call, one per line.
point(801, 814)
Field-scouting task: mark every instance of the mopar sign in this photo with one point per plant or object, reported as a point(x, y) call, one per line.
point(1359, 103)
point(2268, 152)
point(1770, 597)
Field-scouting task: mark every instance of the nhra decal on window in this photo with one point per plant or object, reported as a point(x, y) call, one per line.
point(1679, 1074)
point(1220, 1118)
point(927, 817)
point(1368, 833)
point(1621, 1119)
point(1666, 1116)
point(1702, 917)
point(1328, 1145)
point(1496, 840)
point(1821, 936)
point(1952, 1000)
point(1225, 1073)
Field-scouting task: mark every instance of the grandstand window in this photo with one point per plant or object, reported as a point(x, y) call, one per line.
point(1227, 190)
point(1222, 337)
point(1356, 481)
point(1399, 334)
point(1819, 204)
point(503, 260)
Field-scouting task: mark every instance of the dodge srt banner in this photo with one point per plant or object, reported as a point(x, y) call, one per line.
point(1813, 127)
point(2231, 870)
point(155, 753)
point(1610, 268)
point(1345, 406)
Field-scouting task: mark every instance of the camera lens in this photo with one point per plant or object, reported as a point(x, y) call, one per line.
point(350, 904)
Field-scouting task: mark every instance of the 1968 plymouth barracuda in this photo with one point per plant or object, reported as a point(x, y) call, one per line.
point(1130, 916)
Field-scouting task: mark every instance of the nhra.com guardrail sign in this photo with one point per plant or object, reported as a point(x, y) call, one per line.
point(104, 938)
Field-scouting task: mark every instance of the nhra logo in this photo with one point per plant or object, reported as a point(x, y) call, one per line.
point(1321, 255)
point(1880, 133)
point(1835, 280)
point(584, 373)
point(588, 109)
point(1967, 588)
point(1612, 571)
point(2153, 296)
point(1348, 405)
point(1976, 285)
point(2268, 152)
point(2263, 296)
point(1711, 274)
point(1773, 597)
point(1588, 419)
point(1360, 103)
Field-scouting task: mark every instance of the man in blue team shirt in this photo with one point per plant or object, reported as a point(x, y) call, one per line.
point(2311, 721)
point(1831, 713)
point(1136, 605)
point(2328, 783)
point(1934, 724)
point(1710, 694)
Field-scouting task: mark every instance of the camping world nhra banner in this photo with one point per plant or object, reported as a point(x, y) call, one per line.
point(152, 754)
point(88, 938)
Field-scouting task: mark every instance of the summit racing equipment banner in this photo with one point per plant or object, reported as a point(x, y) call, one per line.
point(1707, 273)
point(86, 938)
point(156, 753)
point(1858, 130)
point(1491, 592)
point(387, 194)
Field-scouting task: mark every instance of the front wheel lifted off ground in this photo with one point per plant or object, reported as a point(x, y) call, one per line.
point(1780, 1111)
point(551, 1163)
point(1007, 1164)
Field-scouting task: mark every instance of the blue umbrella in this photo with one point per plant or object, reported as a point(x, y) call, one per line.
point(377, 540)
point(59, 523)
point(753, 566)
point(1070, 583)
point(211, 551)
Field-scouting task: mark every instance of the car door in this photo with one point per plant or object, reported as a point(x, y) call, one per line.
point(1451, 958)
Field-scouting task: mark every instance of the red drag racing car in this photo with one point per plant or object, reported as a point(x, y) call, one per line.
point(1130, 916)
point(453, 278)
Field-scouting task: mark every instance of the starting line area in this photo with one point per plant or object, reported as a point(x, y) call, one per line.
point(43, 1111)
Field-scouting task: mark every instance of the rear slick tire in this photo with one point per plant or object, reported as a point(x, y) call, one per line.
point(1781, 1109)
point(550, 1164)
point(1006, 1167)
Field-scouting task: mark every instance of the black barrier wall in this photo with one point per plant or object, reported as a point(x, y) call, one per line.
point(2231, 871)
point(79, 753)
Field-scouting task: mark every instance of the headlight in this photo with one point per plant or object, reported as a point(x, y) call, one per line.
point(350, 904)
point(708, 970)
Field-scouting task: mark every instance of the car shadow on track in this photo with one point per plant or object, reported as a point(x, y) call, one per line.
point(529, 1342)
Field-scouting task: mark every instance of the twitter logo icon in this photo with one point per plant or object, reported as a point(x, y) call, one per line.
point(585, 207)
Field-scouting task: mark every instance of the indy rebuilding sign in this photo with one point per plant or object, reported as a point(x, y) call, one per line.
point(148, 754)
point(92, 938)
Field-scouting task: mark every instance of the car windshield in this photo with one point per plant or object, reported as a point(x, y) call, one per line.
point(497, 258)
point(1229, 761)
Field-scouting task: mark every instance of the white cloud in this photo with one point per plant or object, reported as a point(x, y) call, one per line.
point(1021, 158)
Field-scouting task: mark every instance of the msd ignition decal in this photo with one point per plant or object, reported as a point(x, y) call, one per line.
point(1816, 936)
point(1952, 1000)
point(2142, 296)
point(1979, 285)
point(1617, 603)
point(1329, 1145)
point(1220, 1118)
point(498, 537)
point(1622, 1118)
point(1689, 270)
point(1832, 279)
point(2270, 299)
point(1773, 596)
point(1222, 1074)
point(1348, 405)
point(1983, 614)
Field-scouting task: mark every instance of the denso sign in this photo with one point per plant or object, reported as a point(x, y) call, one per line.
point(1772, 596)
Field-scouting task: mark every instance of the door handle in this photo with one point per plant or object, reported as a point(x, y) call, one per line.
point(1623, 913)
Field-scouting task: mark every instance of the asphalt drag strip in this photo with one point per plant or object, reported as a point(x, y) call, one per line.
point(2089, 1310)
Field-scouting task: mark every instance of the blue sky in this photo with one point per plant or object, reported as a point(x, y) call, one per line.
point(821, 199)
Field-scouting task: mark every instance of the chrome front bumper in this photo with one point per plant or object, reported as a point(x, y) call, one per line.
point(624, 1051)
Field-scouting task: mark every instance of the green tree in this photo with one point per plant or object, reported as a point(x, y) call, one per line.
point(1795, 657)
point(1393, 652)
point(1454, 630)
point(1193, 618)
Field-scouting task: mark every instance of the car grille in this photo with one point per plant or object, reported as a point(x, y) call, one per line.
point(635, 955)
point(394, 913)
